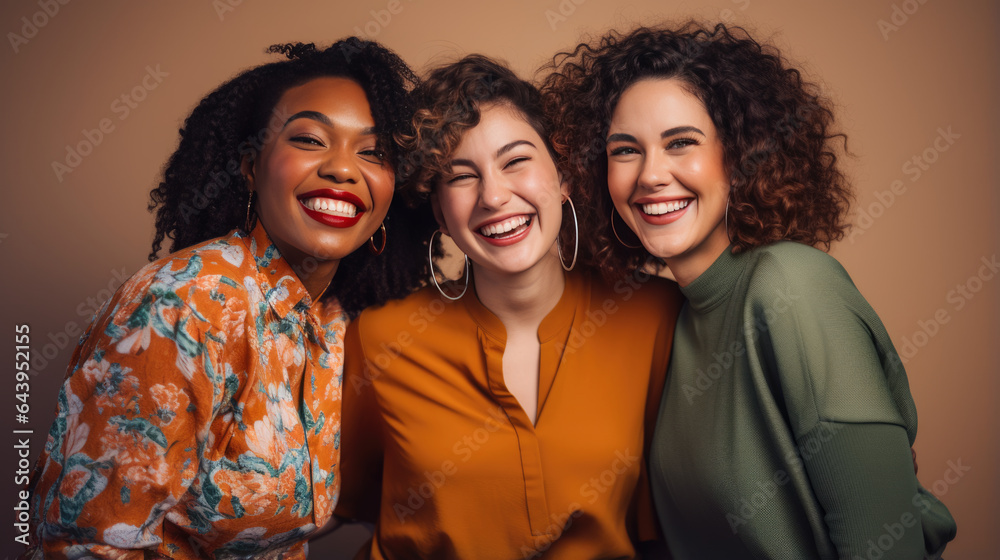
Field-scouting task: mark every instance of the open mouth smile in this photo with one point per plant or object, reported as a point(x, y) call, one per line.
point(338, 209)
point(660, 208)
point(506, 231)
point(660, 213)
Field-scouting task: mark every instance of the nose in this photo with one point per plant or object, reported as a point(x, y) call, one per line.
point(494, 191)
point(340, 166)
point(655, 170)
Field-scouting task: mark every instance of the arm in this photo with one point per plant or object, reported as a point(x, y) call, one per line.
point(131, 416)
point(862, 475)
point(848, 406)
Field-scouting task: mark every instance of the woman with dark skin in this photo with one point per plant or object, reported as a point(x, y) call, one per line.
point(201, 413)
point(786, 421)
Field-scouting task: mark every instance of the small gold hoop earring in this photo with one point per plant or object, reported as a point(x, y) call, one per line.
point(615, 231)
point(249, 222)
point(371, 242)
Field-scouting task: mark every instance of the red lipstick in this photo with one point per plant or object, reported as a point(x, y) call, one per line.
point(329, 219)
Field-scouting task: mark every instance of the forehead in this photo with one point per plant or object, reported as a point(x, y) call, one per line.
point(499, 124)
point(333, 96)
point(655, 101)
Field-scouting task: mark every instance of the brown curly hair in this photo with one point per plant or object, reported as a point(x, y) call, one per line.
point(448, 103)
point(776, 130)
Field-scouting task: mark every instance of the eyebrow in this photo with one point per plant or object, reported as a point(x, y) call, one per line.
point(320, 117)
point(503, 150)
point(508, 147)
point(621, 137)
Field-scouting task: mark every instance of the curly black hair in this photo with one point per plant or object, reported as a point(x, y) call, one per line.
point(204, 195)
point(776, 130)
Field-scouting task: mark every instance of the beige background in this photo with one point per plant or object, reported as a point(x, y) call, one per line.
point(64, 242)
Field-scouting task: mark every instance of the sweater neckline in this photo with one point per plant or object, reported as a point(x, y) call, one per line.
point(557, 320)
point(716, 283)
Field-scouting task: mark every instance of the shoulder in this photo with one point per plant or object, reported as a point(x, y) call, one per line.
point(795, 262)
point(797, 273)
point(207, 275)
point(222, 257)
point(413, 314)
point(638, 293)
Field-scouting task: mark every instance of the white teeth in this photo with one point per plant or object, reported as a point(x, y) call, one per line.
point(332, 207)
point(658, 208)
point(504, 226)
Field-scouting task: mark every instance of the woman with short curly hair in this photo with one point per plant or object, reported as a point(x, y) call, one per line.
point(201, 413)
point(498, 418)
point(786, 422)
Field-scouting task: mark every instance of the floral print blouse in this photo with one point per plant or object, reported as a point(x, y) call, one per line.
point(200, 416)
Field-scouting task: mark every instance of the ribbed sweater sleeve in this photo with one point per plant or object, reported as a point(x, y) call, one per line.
point(863, 479)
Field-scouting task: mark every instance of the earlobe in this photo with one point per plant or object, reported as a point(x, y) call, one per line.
point(438, 214)
point(246, 169)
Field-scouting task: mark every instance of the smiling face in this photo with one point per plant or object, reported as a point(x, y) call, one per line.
point(667, 176)
point(323, 187)
point(501, 202)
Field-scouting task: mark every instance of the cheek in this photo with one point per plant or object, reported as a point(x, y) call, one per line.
point(381, 185)
point(548, 191)
point(621, 182)
point(456, 209)
point(283, 171)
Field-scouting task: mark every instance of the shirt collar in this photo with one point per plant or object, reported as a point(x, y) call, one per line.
point(279, 284)
point(559, 319)
point(716, 283)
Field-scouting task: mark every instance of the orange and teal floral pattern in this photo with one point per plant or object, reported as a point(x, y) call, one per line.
point(200, 416)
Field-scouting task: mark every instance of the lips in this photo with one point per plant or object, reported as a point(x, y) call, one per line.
point(339, 209)
point(506, 230)
point(662, 212)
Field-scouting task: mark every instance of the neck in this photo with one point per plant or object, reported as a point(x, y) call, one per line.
point(314, 273)
point(318, 280)
point(688, 267)
point(525, 298)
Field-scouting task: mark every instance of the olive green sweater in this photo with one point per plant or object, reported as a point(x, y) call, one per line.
point(786, 423)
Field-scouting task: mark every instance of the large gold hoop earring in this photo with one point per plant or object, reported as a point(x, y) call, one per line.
point(430, 260)
point(371, 242)
point(576, 244)
point(615, 231)
point(249, 222)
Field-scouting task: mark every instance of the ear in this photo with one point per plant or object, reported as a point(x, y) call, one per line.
point(438, 215)
point(564, 190)
point(247, 169)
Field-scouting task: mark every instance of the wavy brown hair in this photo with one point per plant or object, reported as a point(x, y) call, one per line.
point(449, 103)
point(776, 130)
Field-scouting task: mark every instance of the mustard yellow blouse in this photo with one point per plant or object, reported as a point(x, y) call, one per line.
point(443, 457)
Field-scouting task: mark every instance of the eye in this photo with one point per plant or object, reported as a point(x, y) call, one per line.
point(309, 140)
point(678, 143)
point(515, 161)
point(373, 154)
point(460, 178)
point(623, 151)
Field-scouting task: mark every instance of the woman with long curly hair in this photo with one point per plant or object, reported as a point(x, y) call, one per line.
point(786, 422)
point(201, 413)
point(498, 418)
